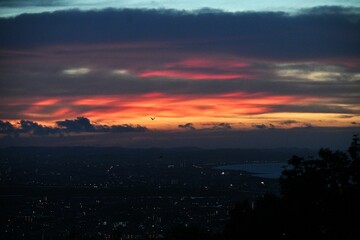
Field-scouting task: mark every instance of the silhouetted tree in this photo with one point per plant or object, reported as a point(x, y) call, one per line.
point(354, 151)
point(320, 199)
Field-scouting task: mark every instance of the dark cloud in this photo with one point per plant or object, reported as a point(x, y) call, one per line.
point(82, 124)
point(274, 35)
point(285, 123)
point(216, 126)
point(188, 126)
point(314, 108)
point(260, 126)
point(36, 129)
point(288, 122)
point(263, 126)
point(27, 127)
point(6, 127)
point(120, 128)
point(28, 3)
point(222, 126)
point(78, 125)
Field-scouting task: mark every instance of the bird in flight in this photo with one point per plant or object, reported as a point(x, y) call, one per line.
point(152, 118)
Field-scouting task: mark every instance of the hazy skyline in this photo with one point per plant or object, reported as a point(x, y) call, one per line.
point(216, 72)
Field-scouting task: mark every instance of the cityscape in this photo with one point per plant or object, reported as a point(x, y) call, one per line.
point(117, 193)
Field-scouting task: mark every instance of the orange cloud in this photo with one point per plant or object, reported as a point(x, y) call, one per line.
point(133, 107)
point(174, 108)
point(171, 110)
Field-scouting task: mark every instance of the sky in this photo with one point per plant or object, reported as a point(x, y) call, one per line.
point(180, 73)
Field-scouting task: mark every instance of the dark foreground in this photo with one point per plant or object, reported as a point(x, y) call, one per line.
point(115, 193)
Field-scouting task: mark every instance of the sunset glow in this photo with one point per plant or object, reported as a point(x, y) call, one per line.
point(177, 72)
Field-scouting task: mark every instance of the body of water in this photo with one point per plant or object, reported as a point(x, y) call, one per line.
point(265, 170)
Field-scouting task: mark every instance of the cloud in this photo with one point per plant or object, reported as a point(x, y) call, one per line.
point(190, 75)
point(121, 72)
point(271, 35)
point(288, 122)
point(82, 124)
point(169, 63)
point(206, 63)
point(296, 124)
point(26, 127)
point(316, 72)
point(78, 125)
point(76, 71)
point(34, 128)
point(221, 126)
point(315, 108)
point(200, 69)
point(6, 127)
point(263, 126)
point(120, 128)
point(208, 46)
point(260, 126)
point(187, 126)
point(48, 56)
